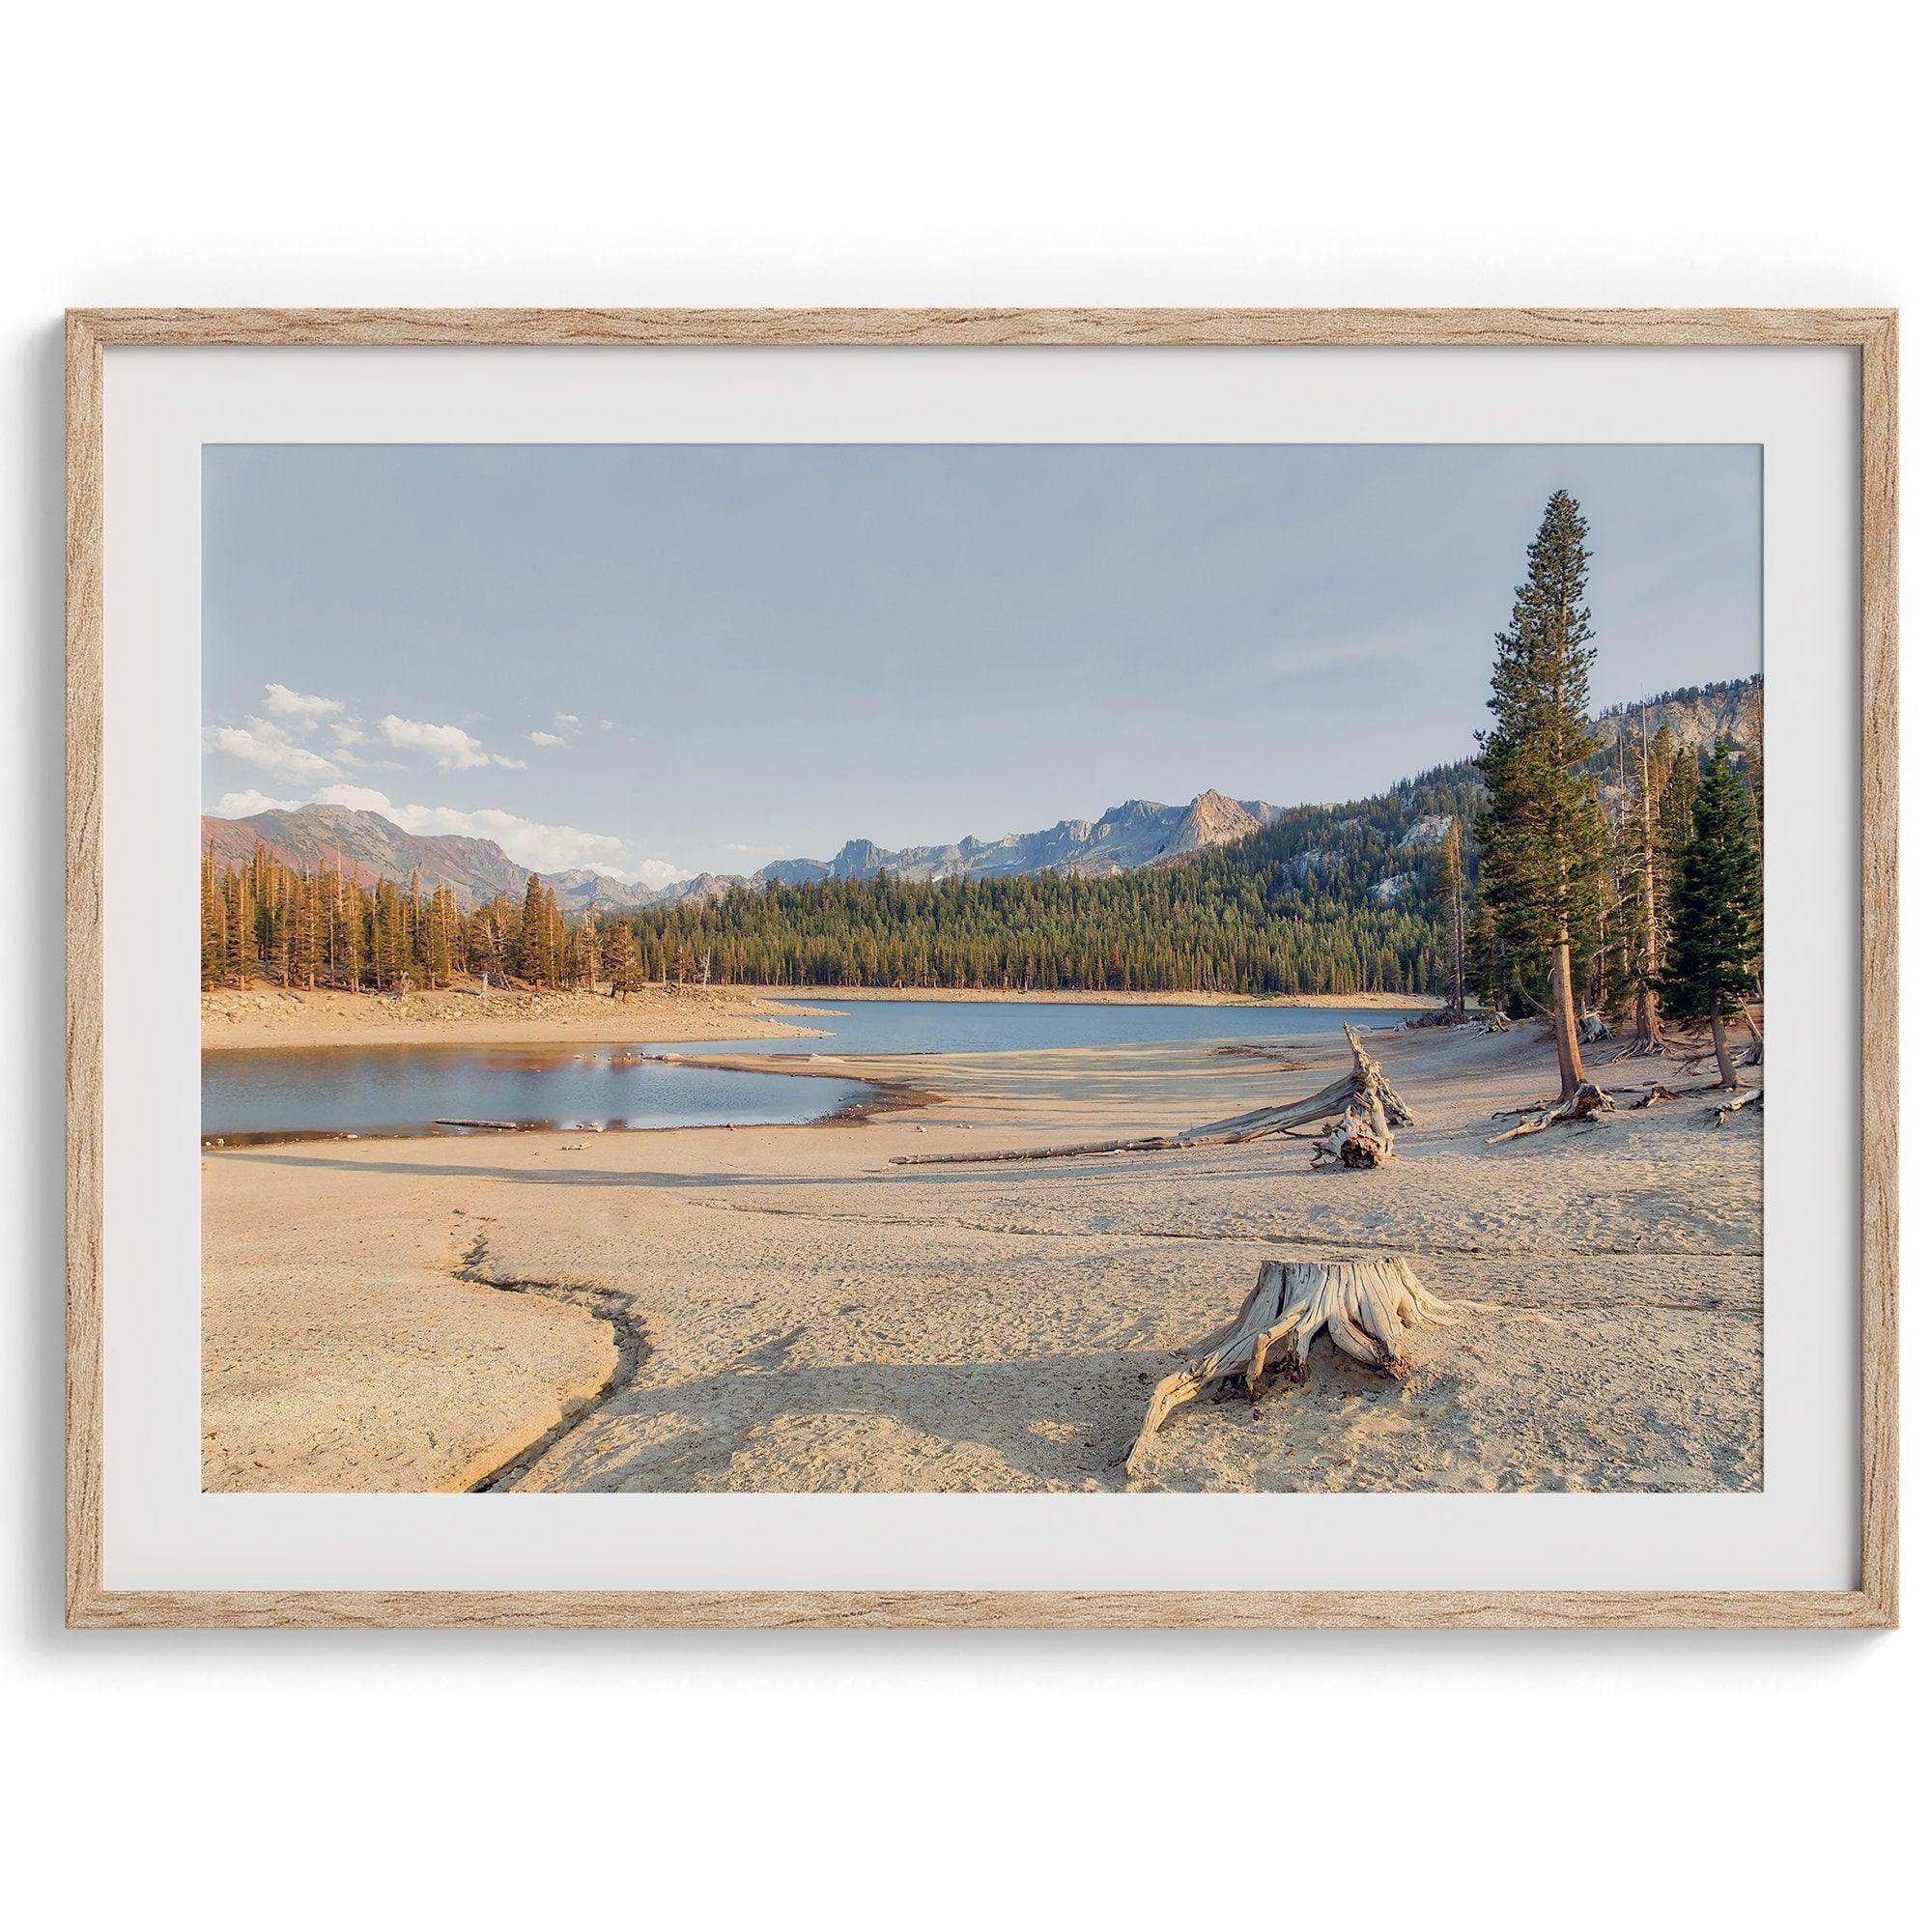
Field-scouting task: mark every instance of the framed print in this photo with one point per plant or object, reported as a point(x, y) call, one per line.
point(981, 967)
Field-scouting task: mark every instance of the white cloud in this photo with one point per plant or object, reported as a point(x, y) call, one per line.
point(263, 743)
point(543, 849)
point(452, 748)
point(547, 738)
point(301, 713)
point(568, 719)
point(246, 804)
point(755, 851)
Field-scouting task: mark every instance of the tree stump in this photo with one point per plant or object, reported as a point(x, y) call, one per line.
point(1363, 1305)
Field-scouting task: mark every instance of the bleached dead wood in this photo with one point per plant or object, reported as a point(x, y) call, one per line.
point(1591, 1030)
point(1753, 1054)
point(1364, 1088)
point(1754, 1099)
point(1362, 1305)
point(1589, 1098)
point(1356, 1140)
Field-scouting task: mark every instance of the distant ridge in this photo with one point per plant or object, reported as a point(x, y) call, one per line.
point(1131, 834)
point(1304, 839)
point(367, 847)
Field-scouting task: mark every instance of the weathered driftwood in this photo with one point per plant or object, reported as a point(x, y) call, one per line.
point(1589, 1098)
point(1657, 1094)
point(1363, 1305)
point(1753, 1098)
point(1498, 1022)
point(1357, 1140)
point(1364, 1088)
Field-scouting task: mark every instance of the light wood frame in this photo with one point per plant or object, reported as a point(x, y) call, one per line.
point(1872, 332)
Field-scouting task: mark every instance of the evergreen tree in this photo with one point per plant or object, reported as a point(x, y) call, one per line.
point(589, 950)
point(1716, 911)
point(535, 958)
point(1542, 829)
point(1648, 901)
point(440, 937)
point(622, 966)
point(1450, 893)
point(213, 922)
point(241, 925)
point(1676, 801)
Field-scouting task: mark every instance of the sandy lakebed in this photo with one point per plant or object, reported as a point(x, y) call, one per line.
point(783, 1309)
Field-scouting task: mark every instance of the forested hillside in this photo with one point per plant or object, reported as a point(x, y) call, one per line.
point(1327, 898)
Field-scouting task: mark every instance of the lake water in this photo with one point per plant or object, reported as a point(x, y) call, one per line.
point(277, 1093)
point(281, 1093)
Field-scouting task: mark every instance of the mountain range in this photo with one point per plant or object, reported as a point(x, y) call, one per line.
point(367, 847)
point(1129, 836)
point(1136, 834)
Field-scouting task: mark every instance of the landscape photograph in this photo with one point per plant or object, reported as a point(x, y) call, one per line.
point(1088, 968)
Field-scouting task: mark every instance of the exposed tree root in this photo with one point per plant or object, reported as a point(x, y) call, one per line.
point(1363, 1091)
point(1589, 1098)
point(1591, 1030)
point(1363, 1305)
point(1657, 1094)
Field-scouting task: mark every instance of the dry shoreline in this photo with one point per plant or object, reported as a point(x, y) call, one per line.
point(1011, 996)
point(803, 1315)
point(269, 1016)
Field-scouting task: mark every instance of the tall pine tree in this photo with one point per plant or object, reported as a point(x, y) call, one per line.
point(1542, 829)
point(1450, 891)
point(1717, 915)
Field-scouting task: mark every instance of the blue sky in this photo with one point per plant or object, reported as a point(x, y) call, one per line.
point(660, 659)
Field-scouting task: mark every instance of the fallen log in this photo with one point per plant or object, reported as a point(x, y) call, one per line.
point(1754, 1099)
point(499, 1126)
point(1362, 1305)
point(1589, 1098)
point(1364, 1087)
point(1657, 1094)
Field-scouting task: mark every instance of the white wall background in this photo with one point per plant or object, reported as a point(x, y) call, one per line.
point(1036, 153)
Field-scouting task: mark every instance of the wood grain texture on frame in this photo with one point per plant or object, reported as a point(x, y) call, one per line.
point(1873, 332)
